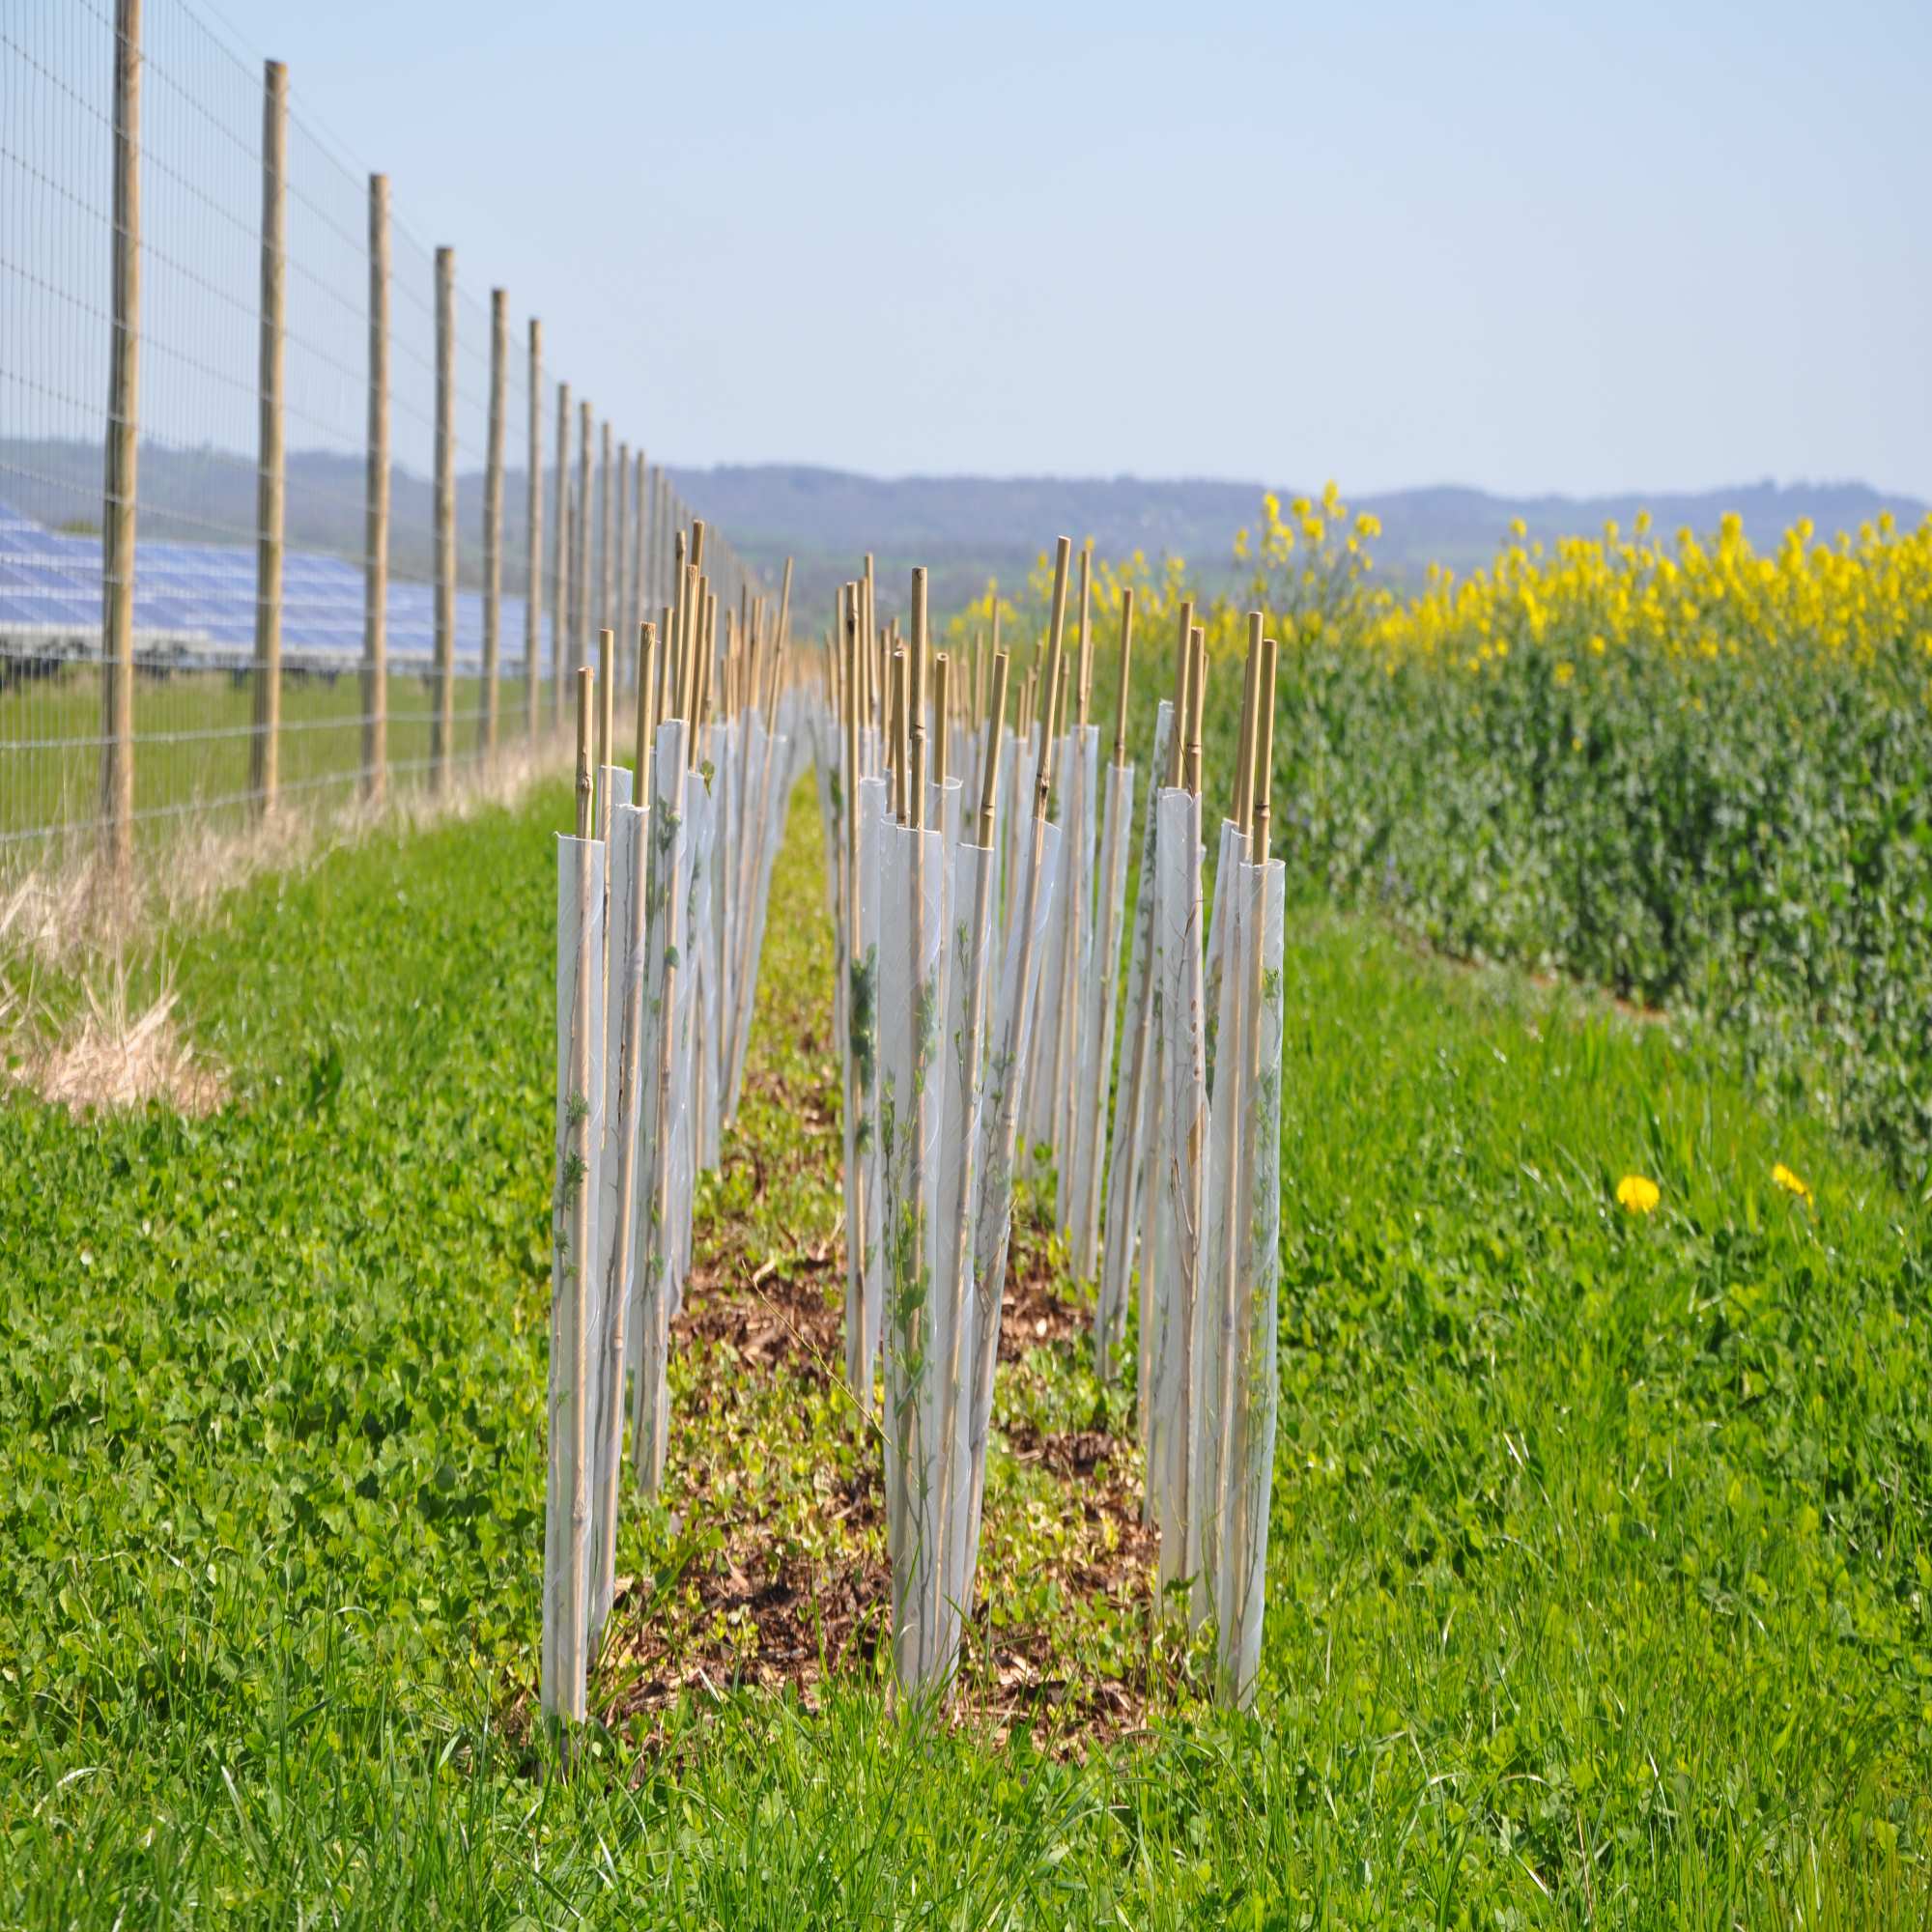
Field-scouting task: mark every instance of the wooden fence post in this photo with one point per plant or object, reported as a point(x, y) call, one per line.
point(559, 585)
point(265, 747)
point(533, 535)
point(117, 521)
point(493, 516)
point(376, 508)
point(443, 727)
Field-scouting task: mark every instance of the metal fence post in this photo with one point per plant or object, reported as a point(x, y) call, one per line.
point(265, 749)
point(117, 521)
point(376, 512)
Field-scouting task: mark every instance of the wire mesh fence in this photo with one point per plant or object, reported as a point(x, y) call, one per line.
point(266, 459)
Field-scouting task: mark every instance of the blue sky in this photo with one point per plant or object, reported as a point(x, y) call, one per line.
point(1527, 247)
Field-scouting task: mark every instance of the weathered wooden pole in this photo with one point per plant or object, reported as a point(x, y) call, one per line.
point(493, 515)
point(442, 725)
point(117, 521)
point(376, 508)
point(533, 534)
point(265, 747)
point(559, 573)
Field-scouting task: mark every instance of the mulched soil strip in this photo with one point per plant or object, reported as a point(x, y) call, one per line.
point(813, 1621)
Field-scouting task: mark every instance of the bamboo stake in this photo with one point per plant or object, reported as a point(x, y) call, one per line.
point(989, 787)
point(1264, 751)
point(1086, 681)
point(606, 650)
point(1244, 752)
point(881, 678)
point(1184, 664)
point(1197, 686)
point(916, 704)
point(647, 724)
point(895, 736)
point(640, 591)
point(942, 719)
point(559, 623)
point(621, 619)
point(604, 615)
point(580, 600)
point(1126, 672)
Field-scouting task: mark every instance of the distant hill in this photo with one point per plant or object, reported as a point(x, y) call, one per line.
point(964, 528)
point(967, 528)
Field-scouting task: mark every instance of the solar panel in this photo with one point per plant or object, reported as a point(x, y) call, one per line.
point(206, 592)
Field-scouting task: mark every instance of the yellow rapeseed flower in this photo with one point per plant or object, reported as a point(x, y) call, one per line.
point(1635, 1193)
point(1783, 1176)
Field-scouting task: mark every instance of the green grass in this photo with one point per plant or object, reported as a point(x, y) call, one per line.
point(192, 733)
point(1601, 1558)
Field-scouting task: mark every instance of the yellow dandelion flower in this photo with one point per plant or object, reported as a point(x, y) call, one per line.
point(1783, 1176)
point(1635, 1193)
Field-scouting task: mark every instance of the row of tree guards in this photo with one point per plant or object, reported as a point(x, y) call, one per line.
point(976, 873)
point(660, 915)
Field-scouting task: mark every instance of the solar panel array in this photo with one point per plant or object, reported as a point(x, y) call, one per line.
point(194, 731)
point(194, 605)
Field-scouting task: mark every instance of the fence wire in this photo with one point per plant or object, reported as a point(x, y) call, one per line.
point(202, 715)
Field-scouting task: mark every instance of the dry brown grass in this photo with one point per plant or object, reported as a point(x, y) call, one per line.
point(68, 916)
point(115, 1057)
point(78, 921)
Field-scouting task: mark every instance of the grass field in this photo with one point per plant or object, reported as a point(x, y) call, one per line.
point(1601, 1562)
point(193, 731)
